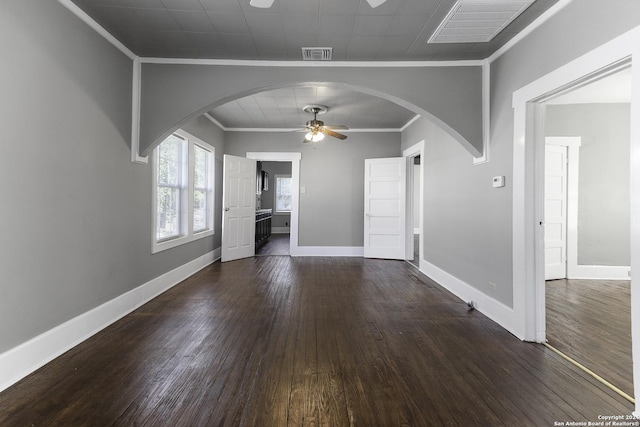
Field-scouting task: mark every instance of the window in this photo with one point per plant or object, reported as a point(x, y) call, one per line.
point(183, 190)
point(282, 201)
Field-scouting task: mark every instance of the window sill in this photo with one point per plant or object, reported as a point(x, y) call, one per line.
point(179, 241)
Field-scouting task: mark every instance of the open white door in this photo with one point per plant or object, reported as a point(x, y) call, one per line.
point(384, 207)
point(239, 208)
point(555, 212)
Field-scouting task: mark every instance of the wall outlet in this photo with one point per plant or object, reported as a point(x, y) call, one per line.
point(492, 286)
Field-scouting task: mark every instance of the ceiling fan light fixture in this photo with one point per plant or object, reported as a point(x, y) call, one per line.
point(314, 136)
point(375, 3)
point(262, 4)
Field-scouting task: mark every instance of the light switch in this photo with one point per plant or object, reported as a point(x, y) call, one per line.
point(303, 190)
point(498, 181)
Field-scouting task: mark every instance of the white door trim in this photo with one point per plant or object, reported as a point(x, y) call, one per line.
point(409, 153)
point(294, 158)
point(527, 256)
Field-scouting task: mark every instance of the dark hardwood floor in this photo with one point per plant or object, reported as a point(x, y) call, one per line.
point(281, 341)
point(590, 321)
point(277, 244)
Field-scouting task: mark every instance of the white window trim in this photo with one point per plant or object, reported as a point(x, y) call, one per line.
point(188, 235)
point(275, 194)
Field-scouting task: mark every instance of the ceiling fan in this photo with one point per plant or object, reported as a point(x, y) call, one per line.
point(265, 4)
point(316, 130)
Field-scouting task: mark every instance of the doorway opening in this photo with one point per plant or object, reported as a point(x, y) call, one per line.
point(239, 231)
point(414, 239)
point(586, 227)
point(274, 199)
point(414, 189)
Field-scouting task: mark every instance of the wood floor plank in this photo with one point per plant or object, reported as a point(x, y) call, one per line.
point(280, 341)
point(590, 320)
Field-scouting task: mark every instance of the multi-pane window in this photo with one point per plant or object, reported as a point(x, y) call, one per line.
point(183, 190)
point(283, 193)
point(201, 199)
point(171, 183)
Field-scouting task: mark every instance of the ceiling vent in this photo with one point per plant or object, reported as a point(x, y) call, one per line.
point(317, 53)
point(477, 21)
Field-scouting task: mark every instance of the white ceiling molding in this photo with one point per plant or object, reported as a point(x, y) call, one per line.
point(97, 27)
point(215, 122)
point(262, 4)
point(261, 63)
point(280, 130)
point(375, 3)
point(410, 122)
point(548, 14)
point(344, 64)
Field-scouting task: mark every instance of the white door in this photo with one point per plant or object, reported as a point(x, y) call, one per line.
point(239, 208)
point(384, 207)
point(555, 212)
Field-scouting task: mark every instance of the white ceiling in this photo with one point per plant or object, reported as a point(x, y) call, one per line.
point(232, 29)
point(397, 30)
point(282, 109)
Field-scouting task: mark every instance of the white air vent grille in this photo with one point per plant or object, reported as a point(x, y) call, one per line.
point(317, 53)
point(477, 21)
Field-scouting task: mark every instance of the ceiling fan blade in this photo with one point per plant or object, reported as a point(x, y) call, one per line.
point(341, 127)
point(265, 4)
point(375, 3)
point(333, 134)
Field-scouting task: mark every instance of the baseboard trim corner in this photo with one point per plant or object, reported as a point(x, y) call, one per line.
point(599, 272)
point(31, 355)
point(490, 307)
point(280, 230)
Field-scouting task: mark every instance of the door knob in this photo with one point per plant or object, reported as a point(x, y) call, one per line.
point(226, 209)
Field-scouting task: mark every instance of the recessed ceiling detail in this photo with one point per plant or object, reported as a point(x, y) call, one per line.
point(289, 108)
point(317, 53)
point(477, 21)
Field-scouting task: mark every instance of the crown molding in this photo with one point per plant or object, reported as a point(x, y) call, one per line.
point(328, 64)
point(272, 130)
point(410, 122)
point(284, 130)
point(97, 27)
point(529, 29)
point(345, 64)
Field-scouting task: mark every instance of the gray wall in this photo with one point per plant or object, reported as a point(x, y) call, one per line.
point(76, 217)
point(462, 223)
point(173, 93)
point(578, 28)
point(603, 189)
point(332, 209)
point(268, 196)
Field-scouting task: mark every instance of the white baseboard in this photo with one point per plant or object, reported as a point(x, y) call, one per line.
point(22, 360)
point(280, 230)
point(490, 307)
point(599, 272)
point(356, 251)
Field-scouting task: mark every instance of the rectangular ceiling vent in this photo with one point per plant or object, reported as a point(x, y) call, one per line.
point(477, 21)
point(317, 53)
